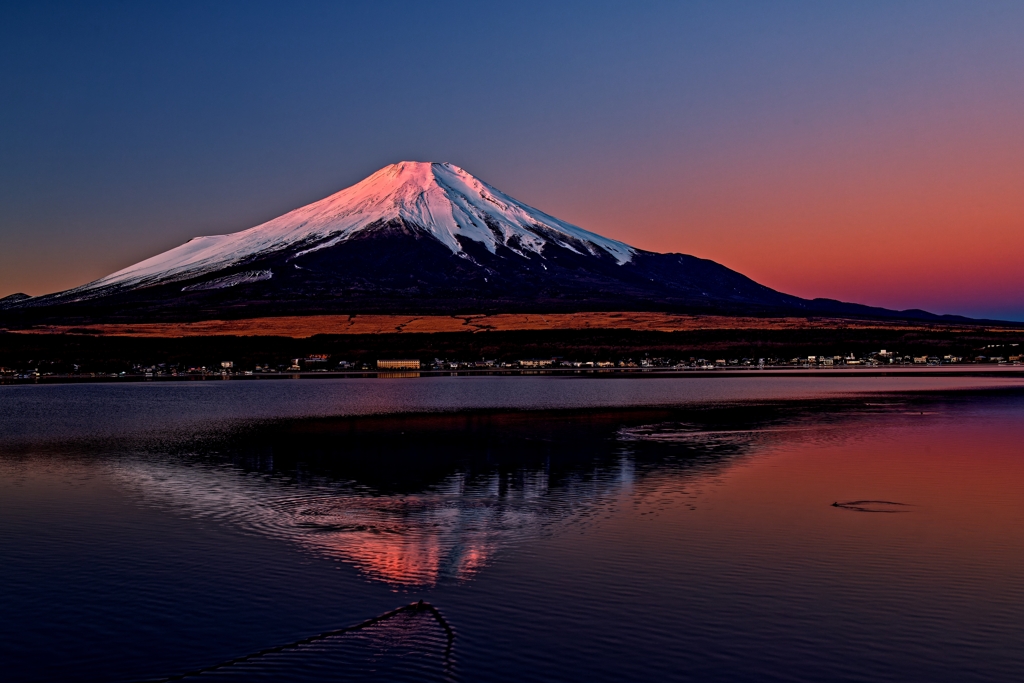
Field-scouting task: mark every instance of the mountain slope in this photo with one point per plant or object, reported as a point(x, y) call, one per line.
point(418, 237)
point(443, 200)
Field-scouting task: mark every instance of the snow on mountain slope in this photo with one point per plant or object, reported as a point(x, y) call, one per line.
point(442, 199)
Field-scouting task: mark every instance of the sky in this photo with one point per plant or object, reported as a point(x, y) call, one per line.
point(869, 152)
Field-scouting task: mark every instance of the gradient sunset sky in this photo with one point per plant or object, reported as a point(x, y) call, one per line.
point(870, 151)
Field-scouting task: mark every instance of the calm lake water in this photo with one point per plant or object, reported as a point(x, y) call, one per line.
point(566, 528)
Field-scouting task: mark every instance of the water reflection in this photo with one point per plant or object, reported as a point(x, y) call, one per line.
point(393, 511)
point(427, 499)
point(729, 542)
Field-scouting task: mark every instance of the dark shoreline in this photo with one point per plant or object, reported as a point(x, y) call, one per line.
point(59, 354)
point(971, 370)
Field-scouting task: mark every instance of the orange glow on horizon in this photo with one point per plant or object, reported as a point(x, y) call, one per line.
point(915, 213)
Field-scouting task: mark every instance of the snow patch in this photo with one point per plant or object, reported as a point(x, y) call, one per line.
point(230, 280)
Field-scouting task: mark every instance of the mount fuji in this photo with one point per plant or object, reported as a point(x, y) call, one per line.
point(418, 237)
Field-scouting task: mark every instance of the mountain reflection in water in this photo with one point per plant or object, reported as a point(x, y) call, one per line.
point(712, 542)
point(418, 500)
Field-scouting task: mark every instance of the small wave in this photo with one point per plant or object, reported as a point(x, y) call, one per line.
point(686, 434)
point(413, 642)
point(872, 506)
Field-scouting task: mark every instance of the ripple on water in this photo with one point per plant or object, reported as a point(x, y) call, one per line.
point(407, 646)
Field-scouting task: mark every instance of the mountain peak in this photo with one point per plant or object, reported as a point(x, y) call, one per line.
point(414, 169)
point(440, 199)
point(419, 237)
point(412, 174)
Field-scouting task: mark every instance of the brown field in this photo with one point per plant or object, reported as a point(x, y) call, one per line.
point(308, 326)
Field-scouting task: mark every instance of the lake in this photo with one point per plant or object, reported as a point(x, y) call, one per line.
point(792, 528)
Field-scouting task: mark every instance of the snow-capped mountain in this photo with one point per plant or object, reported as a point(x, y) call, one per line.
point(443, 200)
point(414, 237)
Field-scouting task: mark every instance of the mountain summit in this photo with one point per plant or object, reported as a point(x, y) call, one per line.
point(442, 200)
point(417, 237)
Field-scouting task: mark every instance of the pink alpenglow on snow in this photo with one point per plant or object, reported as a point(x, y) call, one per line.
point(443, 198)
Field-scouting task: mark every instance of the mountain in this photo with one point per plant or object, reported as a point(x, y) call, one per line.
point(417, 237)
point(12, 299)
